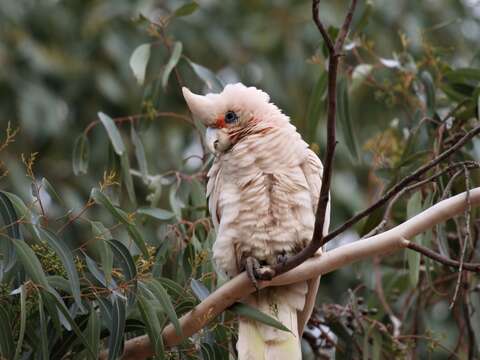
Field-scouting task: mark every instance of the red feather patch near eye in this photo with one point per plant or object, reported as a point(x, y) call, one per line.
point(220, 123)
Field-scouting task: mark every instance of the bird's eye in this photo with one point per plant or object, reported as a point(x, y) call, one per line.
point(230, 117)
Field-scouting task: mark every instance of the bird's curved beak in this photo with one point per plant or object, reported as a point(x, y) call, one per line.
point(212, 139)
point(200, 106)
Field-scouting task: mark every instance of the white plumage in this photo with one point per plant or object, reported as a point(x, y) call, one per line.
point(263, 190)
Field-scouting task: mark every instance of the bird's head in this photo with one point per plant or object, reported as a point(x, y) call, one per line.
point(229, 116)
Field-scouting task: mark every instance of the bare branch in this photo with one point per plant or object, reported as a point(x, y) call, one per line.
point(241, 286)
point(400, 185)
point(317, 238)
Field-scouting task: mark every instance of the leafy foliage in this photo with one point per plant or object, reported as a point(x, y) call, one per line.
point(104, 229)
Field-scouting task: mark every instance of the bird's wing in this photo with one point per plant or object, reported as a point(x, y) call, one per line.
point(214, 189)
point(313, 170)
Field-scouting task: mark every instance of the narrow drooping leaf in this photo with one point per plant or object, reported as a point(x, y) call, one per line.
point(23, 321)
point(127, 177)
point(7, 346)
point(52, 297)
point(316, 106)
point(67, 258)
point(102, 199)
point(208, 77)
point(24, 214)
point(255, 314)
point(51, 190)
point(124, 260)
point(345, 120)
point(427, 81)
point(172, 62)
point(102, 248)
point(152, 324)
point(164, 299)
point(81, 155)
point(156, 213)
point(139, 154)
point(93, 332)
point(30, 263)
point(115, 340)
point(113, 133)
point(199, 290)
point(8, 221)
point(43, 331)
point(414, 206)
point(186, 9)
point(139, 61)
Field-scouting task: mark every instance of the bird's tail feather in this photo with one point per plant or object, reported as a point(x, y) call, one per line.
point(257, 341)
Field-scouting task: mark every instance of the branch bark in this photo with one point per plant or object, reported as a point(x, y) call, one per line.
point(335, 52)
point(241, 286)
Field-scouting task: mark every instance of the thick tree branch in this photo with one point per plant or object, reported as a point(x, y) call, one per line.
point(241, 286)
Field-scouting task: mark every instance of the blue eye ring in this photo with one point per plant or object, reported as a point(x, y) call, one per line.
point(230, 117)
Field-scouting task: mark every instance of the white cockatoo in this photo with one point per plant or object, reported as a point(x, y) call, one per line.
point(263, 190)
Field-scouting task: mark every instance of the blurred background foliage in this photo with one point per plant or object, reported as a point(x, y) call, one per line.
point(136, 172)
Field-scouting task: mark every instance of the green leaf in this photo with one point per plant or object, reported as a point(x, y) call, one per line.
point(172, 62)
point(186, 9)
point(343, 112)
point(25, 214)
point(92, 332)
point(164, 299)
point(427, 81)
point(316, 106)
point(115, 340)
point(51, 191)
point(478, 108)
point(7, 346)
point(31, 263)
point(463, 75)
point(414, 206)
point(51, 297)
point(124, 260)
point(101, 247)
point(255, 314)
point(156, 213)
point(364, 18)
point(208, 77)
point(127, 178)
point(102, 199)
point(67, 258)
point(152, 324)
point(139, 154)
point(43, 330)
point(139, 61)
point(199, 290)
point(113, 133)
point(23, 321)
point(81, 155)
point(9, 221)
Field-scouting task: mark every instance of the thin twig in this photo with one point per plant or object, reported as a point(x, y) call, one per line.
point(400, 185)
point(333, 59)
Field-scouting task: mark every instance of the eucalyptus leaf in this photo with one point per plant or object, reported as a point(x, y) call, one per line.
point(186, 9)
point(113, 133)
point(43, 331)
point(68, 260)
point(81, 155)
point(92, 332)
point(159, 214)
point(172, 62)
point(23, 321)
point(257, 315)
point(316, 106)
point(127, 178)
point(115, 340)
point(139, 61)
point(208, 77)
point(7, 346)
point(139, 154)
point(162, 296)
point(345, 119)
point(152, 324)
point(427, 81)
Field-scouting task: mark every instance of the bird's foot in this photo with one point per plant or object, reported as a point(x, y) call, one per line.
point(282, 258)
point(257, 272)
